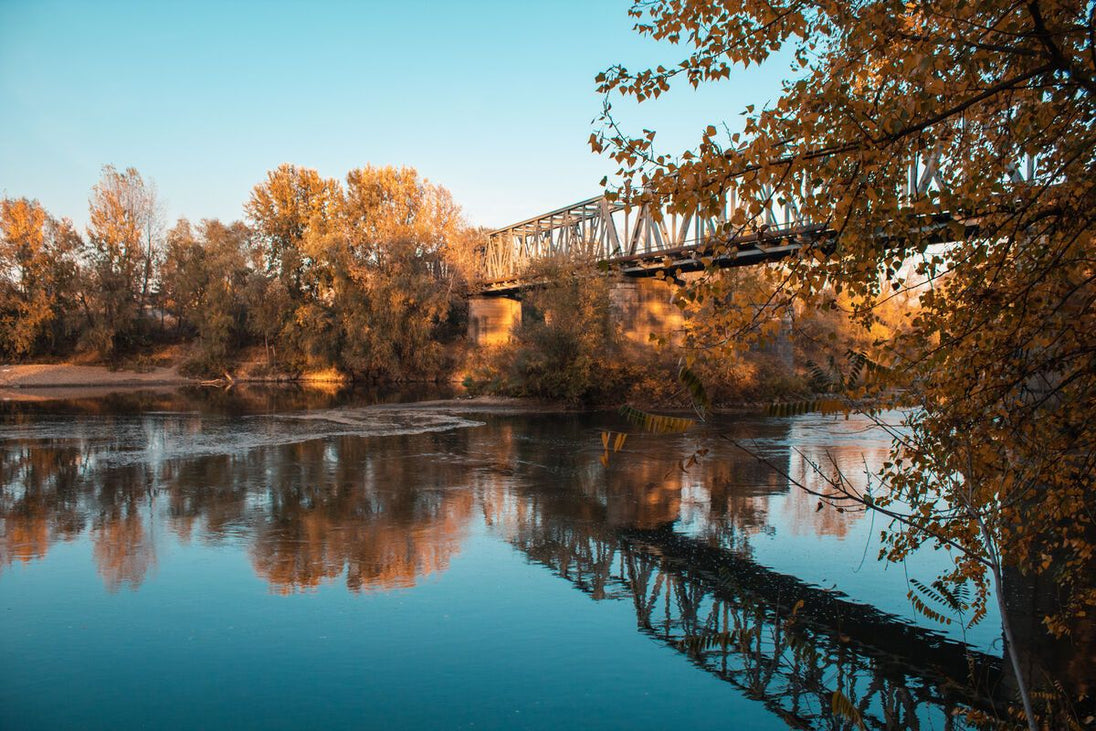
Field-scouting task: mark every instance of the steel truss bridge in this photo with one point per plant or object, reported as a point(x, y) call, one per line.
point(644, 239)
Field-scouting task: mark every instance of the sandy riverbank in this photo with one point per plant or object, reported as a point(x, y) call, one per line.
point(51, 381)
point(64, 375)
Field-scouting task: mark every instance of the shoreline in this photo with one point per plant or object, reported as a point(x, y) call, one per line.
point(65, 381)
point(41, 382)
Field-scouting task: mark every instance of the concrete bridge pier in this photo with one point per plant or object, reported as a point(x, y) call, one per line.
point(645, 307)
point(491, 320)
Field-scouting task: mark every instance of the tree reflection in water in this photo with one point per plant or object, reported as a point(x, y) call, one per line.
point(376, 521)
point(381, 512)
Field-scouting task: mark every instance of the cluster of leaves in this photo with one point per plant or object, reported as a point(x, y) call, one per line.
point(940, 594)
point(995, 240)
point(657, 423)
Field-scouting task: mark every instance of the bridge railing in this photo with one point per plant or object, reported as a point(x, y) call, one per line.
point(602, 229)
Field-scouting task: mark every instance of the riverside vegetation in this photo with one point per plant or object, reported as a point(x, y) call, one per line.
point(363, 279)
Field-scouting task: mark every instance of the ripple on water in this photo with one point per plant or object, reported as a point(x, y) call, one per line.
point(157, 437)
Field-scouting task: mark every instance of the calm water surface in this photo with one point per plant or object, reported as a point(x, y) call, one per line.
point(264, 559)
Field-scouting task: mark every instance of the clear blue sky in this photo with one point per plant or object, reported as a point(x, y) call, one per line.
point(492, 99)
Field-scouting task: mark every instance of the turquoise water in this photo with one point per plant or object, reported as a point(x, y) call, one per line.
point(202, 560)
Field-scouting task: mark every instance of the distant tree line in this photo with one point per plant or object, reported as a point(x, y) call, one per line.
point(365, 276)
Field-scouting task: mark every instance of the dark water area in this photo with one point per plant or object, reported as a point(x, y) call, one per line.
point(293, 559)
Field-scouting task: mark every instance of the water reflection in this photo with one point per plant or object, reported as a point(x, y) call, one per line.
point(39, 503)
point(787, 644)
point(342, 510)
point(378, 499)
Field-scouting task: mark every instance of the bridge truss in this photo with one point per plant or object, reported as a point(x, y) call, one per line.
point(643, 239)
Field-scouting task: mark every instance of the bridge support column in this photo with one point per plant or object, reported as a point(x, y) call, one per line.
point(645, 308)
point(492, 319)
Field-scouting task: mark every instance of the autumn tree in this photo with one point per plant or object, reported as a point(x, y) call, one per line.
point(266, 303)
point(292, 204)
point(37, 270)
point(356, 276)
point(205, 282)
point(152, 227)
point(291, 212)
point(181, 283)
point(396, 288)
point(994, 235)
point(570, 337)
point(463, 255)
point(123, 244)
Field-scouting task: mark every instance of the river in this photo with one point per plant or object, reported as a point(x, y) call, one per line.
point(280, 559)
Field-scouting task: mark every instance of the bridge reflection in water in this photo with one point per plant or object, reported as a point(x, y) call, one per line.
point(313, 502)
point(781, 641)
